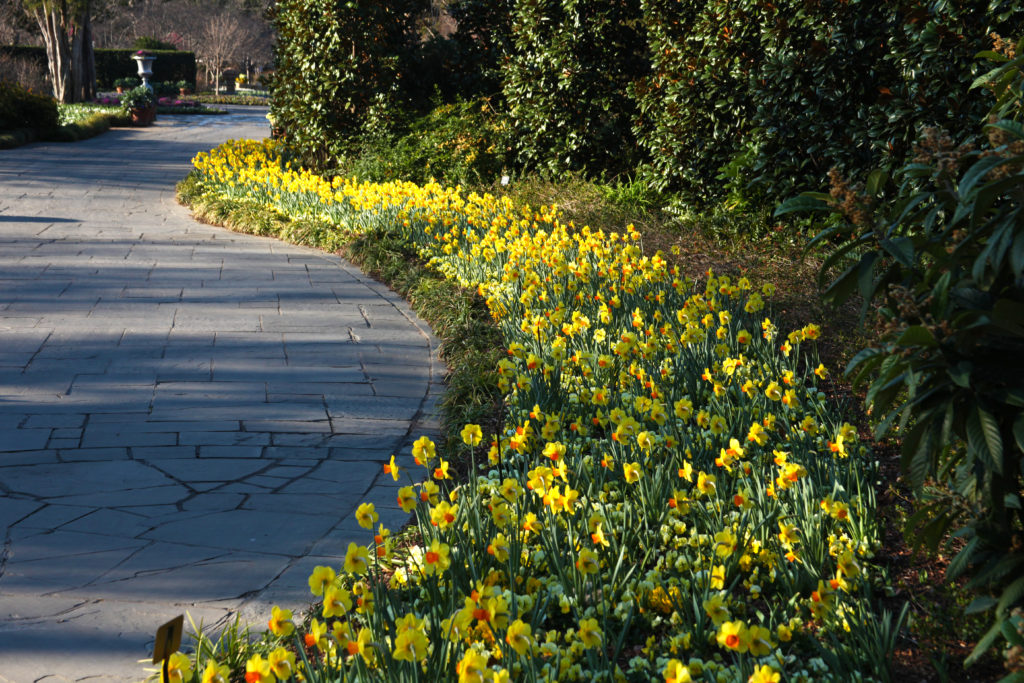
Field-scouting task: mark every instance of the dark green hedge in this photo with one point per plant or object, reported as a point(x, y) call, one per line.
point(32, 52)
point(170, 65)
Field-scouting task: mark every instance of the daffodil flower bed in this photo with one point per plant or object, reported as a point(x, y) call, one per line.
point(672, 498)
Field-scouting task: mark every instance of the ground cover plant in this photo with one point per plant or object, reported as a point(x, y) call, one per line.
point(253, 100)
point(26, 117)
point(164, 105)
point(671, 495)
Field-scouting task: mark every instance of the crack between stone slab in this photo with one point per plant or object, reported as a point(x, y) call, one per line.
point(37, 352)
point(154, 572)
point(5, 553)
point(55, 615)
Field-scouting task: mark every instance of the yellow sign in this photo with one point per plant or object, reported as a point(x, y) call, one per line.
point(168, 639)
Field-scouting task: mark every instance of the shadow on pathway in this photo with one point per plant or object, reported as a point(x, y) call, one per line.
point(188, 416)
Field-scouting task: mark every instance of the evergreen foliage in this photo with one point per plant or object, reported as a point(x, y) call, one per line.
point(767, 97)
point(566, 83)
point(339, 65)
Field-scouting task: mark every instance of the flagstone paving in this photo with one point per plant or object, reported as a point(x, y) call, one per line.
point(188, 416)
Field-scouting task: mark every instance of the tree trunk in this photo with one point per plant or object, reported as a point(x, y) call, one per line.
point(53, 22)
point(83, 61)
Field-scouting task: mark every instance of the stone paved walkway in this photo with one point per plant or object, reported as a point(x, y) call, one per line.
point(188, 416)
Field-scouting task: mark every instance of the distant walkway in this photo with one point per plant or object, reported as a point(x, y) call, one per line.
point(188, 416)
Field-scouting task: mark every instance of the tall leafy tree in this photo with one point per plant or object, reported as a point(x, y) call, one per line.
point(484, 36)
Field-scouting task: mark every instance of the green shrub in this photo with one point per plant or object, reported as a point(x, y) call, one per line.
point(91, 126)
point(566, 83)
point(767, 97)
point(137, 98)
point(127, 83)
point(33, 53)
point(458, 144)
point(943, 255)
point(695, 106)
point(17, 137)
point(338, 63)
point(20, 108)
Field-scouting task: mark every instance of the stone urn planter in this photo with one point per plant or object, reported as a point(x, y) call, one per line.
point(143, 116)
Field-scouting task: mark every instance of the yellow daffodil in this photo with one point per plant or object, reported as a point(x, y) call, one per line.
point(366, 515)
point(407, 499)
point(588, 562)
point(437, 558)
point(677, 672)
point(519, 637)
point(216, 673)
point(257, 670)
point(765, 674)
point(733, 635)
point(471, 435)
point(337, 601)
point(179, 669)
point(280, 623)
point(392, 468)
point(590, 633)
point(321, 578)
point(357, 559)
point(423, 451)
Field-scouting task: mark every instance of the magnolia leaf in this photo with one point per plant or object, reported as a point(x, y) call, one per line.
point(984, 440)
point(1012, 594)
point(803, 202)
point(992, 56)
point(983, 645)
point(980, 604)
point(843, 286)
point(901, 248)
point(1018, 433)
point(1009, 315)
point(977, 171)
point(917, 335)
point(961, 374)
point(958, 565)
point(1017, 254)
point(987, 196)
point(1012, 127)
point(865, 281)
point(876, 181)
